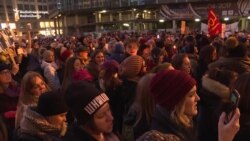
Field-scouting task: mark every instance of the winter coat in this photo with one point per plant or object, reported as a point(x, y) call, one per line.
point(76, 133)
point(8, 104)
point(141, 127)
point(239, 65)
point(165, 129)
point(34, 127)
point(212, 95)
point(3, 131)
point(50, 73)
point(243, 134)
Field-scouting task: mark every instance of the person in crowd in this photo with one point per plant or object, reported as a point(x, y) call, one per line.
point(182, 62)
point(93, 116)
point(175, 108)
point(144, 51)
point(236, 58)
point(72, 66)
point(32, 87)
point(242, 85)
point(63, 55)
point(157, 58)
point(214, 96)
point(142, 109)
point(50, 70)
point(192, 51)
point(169, 47)
point(33, 62)
point(131, 47)
point(9, 94)
point(131, 70)
point(83, 53)
point(110, 82)
point(46, 121)
point(117, 53)
point(97, 59)
point(208, 54)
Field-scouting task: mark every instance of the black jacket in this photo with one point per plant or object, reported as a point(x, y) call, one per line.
point(75, 133)
point(163, 123)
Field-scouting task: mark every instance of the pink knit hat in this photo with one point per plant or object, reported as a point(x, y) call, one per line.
point(170, 87)
point(82, 75)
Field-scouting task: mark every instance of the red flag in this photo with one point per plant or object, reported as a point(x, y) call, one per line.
point(214, 25)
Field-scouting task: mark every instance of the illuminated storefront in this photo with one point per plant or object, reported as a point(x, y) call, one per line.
point(117, 15)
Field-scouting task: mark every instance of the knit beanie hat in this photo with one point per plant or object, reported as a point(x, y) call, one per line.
point(65, 55)
point(51, 103)
point(84, 100)
point(170, 87)
point(111, 66)
point(131, 66)
point(82, 75)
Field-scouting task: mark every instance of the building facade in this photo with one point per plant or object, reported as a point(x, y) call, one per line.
point(16, 14)
point(79, 16)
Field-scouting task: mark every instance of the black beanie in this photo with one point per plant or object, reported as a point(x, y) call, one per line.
point(84, 100)
point(51, 103)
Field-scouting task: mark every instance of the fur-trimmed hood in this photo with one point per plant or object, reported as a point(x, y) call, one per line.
point(35, 124)
point(215, 87)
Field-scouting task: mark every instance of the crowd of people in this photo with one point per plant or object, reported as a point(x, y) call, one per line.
point(126, 87)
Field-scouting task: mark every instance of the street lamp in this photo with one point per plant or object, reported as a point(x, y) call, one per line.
point(226, 19)
point(161, 21)
point(197, 20)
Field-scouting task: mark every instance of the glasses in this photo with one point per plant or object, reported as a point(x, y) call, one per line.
point(4, 72)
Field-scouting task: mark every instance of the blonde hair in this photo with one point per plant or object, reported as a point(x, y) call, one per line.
point(178, 115)
point(26, 96)
point(144, 104)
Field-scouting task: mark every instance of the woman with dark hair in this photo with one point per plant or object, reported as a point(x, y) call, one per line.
point(73, 70)
point(208, 54)
point(97, 59)
point(182, 62)
point(157, 57)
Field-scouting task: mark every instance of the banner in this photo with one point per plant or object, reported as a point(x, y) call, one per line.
point(214, 25)
point(5, 41)
point(227, 30)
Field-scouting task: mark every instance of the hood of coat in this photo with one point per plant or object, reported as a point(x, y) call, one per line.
point(215, 87)
point(35, 124)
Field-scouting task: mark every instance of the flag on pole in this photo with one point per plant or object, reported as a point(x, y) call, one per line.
point(214, 25)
